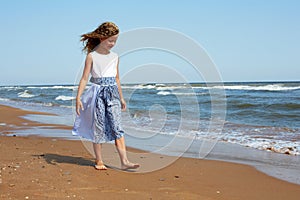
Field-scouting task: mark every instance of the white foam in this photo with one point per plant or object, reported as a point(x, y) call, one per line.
point(172, 87)
point(25, 94)
point(4, 99)
point(146, 86)
point(53, 87)
point(156, 86)
point(189, 93)
point(268, 144)
point(271, 87)
point(164, 93)
point(64, 98)
point(64, 87)
point(10, 88)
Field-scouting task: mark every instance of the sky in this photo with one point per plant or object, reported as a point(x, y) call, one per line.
point(247, 40)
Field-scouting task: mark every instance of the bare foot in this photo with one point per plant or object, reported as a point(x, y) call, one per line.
point(100, 166)
point(130, 165)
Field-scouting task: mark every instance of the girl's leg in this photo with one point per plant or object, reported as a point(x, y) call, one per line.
point(99, 162)
point(125, 164)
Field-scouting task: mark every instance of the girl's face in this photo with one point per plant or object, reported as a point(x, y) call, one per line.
point(109, 43)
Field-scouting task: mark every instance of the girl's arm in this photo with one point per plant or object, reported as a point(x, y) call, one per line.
point(123, 103)
point(83, 82)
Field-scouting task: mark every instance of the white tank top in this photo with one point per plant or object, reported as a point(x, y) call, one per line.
point(104, 65)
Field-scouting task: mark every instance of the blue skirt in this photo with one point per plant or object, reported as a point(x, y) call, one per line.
point(100, 119)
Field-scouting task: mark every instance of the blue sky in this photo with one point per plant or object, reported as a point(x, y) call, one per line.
point(248, 40)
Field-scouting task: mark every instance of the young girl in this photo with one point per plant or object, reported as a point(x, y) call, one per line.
point(99, 108)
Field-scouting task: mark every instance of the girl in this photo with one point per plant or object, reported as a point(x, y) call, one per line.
point(99, 108)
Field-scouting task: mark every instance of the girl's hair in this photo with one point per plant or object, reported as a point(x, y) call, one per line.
point(104, 31)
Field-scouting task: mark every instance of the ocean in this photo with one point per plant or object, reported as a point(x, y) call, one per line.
point(259, 115)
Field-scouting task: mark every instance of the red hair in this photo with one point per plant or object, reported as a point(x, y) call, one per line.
point(104, 31)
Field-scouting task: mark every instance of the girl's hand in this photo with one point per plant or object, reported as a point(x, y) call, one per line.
point(79, 106)
point(123, 104)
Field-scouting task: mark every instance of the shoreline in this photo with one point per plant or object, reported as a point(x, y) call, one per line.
point(57, 125)
point(41, 168)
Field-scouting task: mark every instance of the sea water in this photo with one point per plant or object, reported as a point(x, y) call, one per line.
point(259, 115)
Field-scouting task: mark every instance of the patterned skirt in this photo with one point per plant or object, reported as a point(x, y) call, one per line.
point(100, 119)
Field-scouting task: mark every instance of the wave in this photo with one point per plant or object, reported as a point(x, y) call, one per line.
point(190, 93)
point(54, 87)
point(64, 98)
point(158, 86)
point(4, 99)
point(25, 94)
point(284, 142)
point(164, 93)
point(173, 87)
point(273, 145)
point(181, 93)
point(10, 88)
point(271, 87)
point(275, 139)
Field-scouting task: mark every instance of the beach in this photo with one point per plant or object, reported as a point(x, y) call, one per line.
point(53, 168)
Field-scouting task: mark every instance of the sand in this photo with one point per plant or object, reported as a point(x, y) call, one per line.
point(51, 168)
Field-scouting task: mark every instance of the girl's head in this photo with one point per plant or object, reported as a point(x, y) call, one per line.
point(103, 32)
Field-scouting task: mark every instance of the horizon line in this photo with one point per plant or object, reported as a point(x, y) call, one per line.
point(149, 83)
